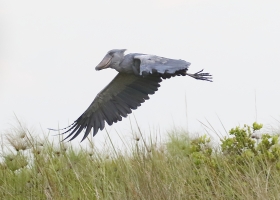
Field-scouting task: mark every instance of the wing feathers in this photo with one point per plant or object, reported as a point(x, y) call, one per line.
point(123, 104)
point(122, 111)
point(77, 132)
point(165, 67)
point(124, 92)
point(100, 119)
point(132, 104)
point(151, 64)
point(106, 113)
point(89, 125)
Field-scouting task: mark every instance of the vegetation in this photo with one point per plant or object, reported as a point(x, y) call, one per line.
point(243, 167)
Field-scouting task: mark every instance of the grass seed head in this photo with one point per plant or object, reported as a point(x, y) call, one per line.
point(17, 142)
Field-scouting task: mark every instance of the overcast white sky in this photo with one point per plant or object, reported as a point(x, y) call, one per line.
point(48, 52)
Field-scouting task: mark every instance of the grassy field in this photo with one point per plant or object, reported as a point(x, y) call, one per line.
point(242, 167)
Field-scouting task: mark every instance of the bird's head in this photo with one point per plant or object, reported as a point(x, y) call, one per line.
point(111, 59)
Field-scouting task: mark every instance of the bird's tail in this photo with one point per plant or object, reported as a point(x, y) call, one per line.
point(201, 76)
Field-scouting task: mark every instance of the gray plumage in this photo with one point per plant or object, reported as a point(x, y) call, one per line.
point(139, 76)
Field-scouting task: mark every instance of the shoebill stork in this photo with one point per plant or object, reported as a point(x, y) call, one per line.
point(139, 76)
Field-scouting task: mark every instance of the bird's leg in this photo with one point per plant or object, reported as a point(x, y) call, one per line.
point(201, 76)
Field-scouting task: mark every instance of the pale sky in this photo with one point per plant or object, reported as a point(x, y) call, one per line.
point(49, 50)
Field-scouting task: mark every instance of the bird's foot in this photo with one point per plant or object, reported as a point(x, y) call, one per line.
point(201, 76)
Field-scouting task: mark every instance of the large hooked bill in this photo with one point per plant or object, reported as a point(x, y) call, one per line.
point(105, 62)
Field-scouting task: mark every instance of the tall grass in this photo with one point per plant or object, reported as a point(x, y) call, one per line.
point(180, 168)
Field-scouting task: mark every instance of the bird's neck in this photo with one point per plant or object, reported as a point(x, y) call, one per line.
point(116, 66)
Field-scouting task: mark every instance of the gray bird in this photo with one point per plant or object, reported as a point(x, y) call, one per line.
point(139, 75)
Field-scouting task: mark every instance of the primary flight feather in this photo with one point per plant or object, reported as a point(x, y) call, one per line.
point(139, 76)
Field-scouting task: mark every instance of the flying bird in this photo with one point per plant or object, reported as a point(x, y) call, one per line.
point(139, 76)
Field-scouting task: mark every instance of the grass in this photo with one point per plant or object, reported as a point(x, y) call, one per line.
point(181, 168)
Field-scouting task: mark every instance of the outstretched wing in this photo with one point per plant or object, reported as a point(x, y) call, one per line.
point(124, 92)
point(150, 64)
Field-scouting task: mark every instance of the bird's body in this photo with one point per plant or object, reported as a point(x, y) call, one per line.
point(127, 61)
point(139, 76)
point(148, 63)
